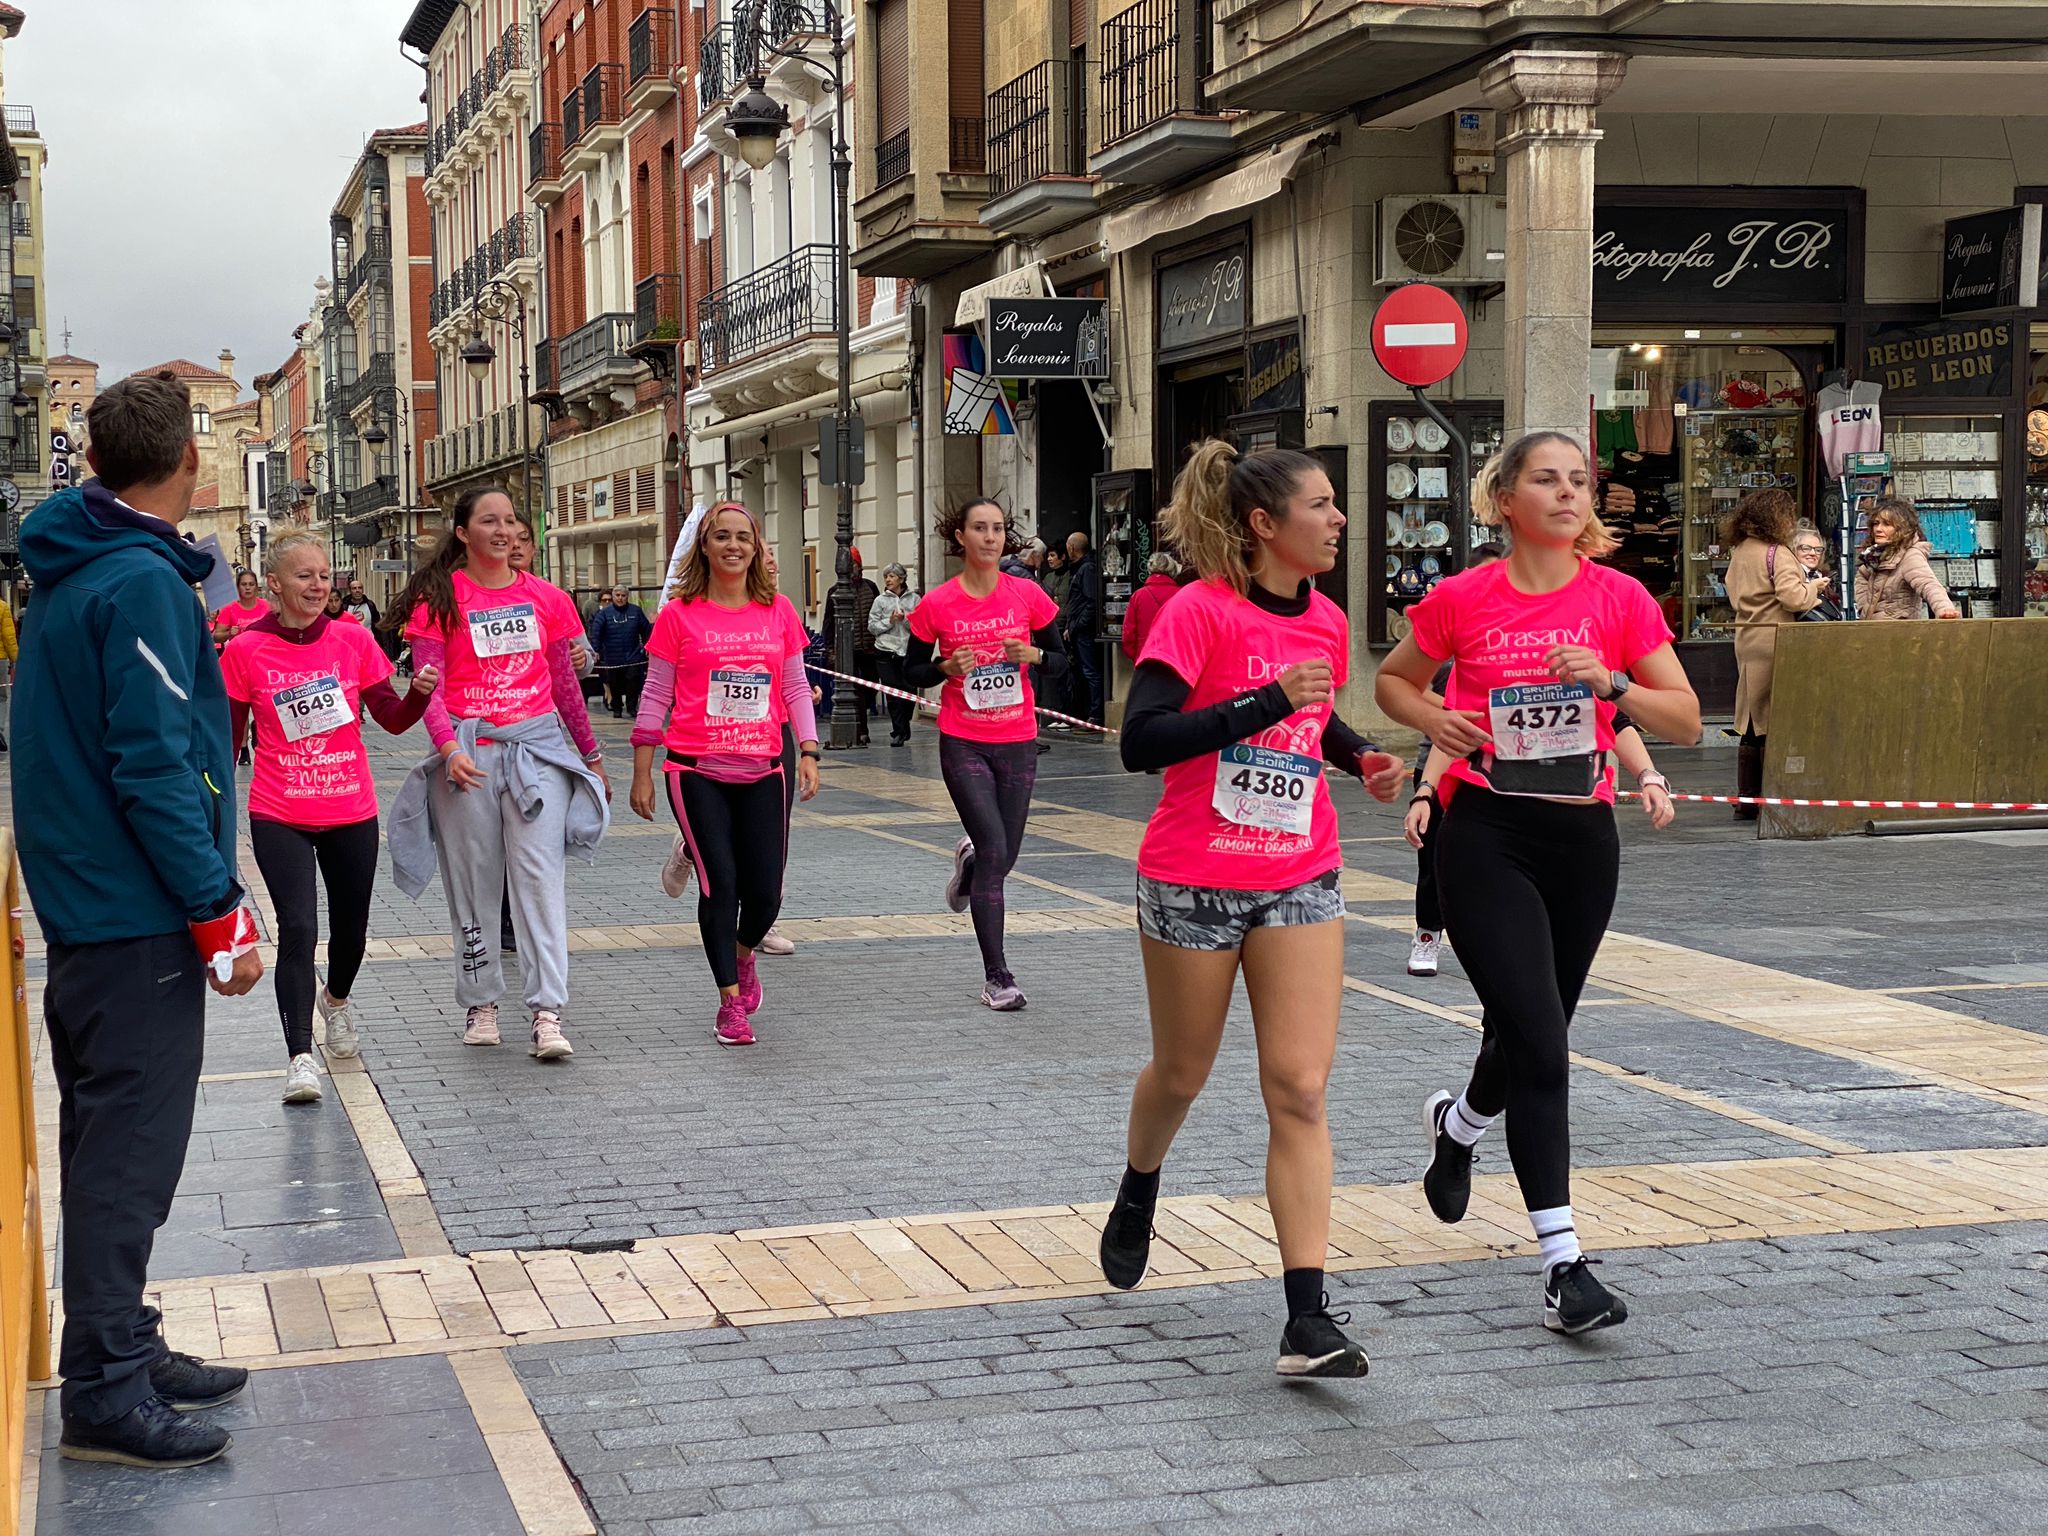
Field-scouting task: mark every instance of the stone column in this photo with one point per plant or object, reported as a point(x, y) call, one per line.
point(1549, 101)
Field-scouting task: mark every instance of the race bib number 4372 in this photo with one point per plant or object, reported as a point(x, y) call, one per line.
point(511, 630)
point(1258, 787)
point(1542, 721)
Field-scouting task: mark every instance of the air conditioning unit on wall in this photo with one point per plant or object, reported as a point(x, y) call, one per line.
point(1449, 238)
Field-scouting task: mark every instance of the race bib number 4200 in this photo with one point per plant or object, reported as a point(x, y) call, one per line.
point(317, 707)
point(737, 694)
point(1542, 721)
point(997, 685)
point(509, 631)
point(1257, 787)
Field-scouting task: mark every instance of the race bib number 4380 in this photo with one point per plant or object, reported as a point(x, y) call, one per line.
point(317, 707)
point(1258, 787)
point(512, 630)
point(1542, 721)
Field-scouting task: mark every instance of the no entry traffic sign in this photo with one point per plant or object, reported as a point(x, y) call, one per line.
point(1419, 335)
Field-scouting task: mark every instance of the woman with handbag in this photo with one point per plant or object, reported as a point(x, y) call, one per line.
point(1767, 586)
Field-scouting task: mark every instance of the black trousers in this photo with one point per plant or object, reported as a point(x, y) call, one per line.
point(345, 858)
point(1530, 884)
point(868, 665)
point(737, 837)
point(901, 711)
point(622, 687)
point(127, 1024)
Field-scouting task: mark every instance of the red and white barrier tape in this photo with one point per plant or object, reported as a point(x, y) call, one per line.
point(1627, 794)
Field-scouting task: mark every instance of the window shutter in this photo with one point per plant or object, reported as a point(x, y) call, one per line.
point(579, 505)
point(644, 501)
point(964, 49)
point(622, 495)
point(892, 68)
point(1078, 40)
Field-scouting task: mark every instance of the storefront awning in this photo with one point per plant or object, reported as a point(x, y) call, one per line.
point(1252, 182)
point(1026, 282)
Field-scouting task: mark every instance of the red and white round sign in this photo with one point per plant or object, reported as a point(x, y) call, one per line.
point(1419, 335)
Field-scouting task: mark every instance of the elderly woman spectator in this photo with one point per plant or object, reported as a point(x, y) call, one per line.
point(1161, 582)
point(1893, 578)
point(889, 623)
point(1767, 586)
point(1811, 546)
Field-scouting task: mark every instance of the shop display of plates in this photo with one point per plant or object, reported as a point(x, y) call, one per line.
point(1436, 536)
point(1431, 567)
point(1411, 538)
point(1393, 528)
point(1400, 480)
point(1398, 627)
point(1400, 434)
point(1430, 437)
point(1393, 565)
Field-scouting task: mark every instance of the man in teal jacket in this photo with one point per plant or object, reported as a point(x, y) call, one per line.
point(125, 814)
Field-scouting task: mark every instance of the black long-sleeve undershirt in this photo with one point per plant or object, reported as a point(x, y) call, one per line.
point(925, 672)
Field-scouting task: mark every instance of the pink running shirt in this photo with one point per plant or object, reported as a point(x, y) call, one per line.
point(311, 770)
point(1497, 637)
point(239, 615)
point(1223, 645)
point(497, 664)
point(729, 664)
point(951, 617)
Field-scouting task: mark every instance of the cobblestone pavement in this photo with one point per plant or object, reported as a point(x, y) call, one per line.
point(844, 1281)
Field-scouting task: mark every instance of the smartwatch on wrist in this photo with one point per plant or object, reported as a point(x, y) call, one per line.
point(1646, 780)
point(1424, 791)
point(814, 756)
point(1618, 684)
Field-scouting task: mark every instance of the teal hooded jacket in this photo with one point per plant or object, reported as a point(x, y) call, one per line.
point(123, 775)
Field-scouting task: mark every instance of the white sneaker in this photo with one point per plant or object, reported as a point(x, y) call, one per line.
point(481, 1027)
point(775, 942)
point(342, 1039)
point(677, 872)
point(1422, 954)
point(549, 1043)
point(302, 1081)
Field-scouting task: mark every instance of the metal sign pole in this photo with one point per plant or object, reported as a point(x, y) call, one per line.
point(1461, 479)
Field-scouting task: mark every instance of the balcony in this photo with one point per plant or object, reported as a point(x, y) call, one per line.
point(658, 320)
point(544, 163)
point(367, 500)
point(1154, 127)
point(22, 228)
point(593, 117)
point(719, 75)
point(479, 447)
point(21, 121)
point(788, 301)
point(892, 160)
point(547, 370)
point(802, 30)
point(381, 374)
point(372, 265)
point(597, 356)
point(921, 213)
point(1037, 144)
point(650, 60)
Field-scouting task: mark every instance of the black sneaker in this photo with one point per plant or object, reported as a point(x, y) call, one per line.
point(1313, 1345)
point(186, 1382)
point(1574, 1302)
point(1447, 1182)
point(1127, 1242)
point(147, 1435)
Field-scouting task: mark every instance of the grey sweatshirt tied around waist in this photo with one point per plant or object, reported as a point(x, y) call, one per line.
point(525, 748)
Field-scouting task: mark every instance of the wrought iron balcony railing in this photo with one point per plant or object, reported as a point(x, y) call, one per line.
point(600, 101)
point(792, 18)
point(1151, 65)
point(781, 303)
point(1035, 128)
point(650, 46)
point(544, 153)
point(375, 261)
point(658, 308)
point(725, 60)
point(967, 144)
point(592, 349)
point(892, 159)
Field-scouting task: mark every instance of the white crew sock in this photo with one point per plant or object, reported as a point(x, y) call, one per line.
point(1465, 1125)
point(1558, 1237)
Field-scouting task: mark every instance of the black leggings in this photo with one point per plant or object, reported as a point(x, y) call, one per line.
point(1530, 884)
point(736, 835)
point(901, 711)
point(347, 860)
point(990, 783)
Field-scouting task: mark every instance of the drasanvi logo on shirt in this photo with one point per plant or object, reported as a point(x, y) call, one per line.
point(1498, 639)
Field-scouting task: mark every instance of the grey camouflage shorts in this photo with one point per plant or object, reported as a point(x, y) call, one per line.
point(1203, 917)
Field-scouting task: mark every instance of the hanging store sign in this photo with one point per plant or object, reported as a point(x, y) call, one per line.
point(1273, 371)
point(1204, 300)
point(1941, 359)
point(1680, 253)
point(1992, 261)
point(1048, 338)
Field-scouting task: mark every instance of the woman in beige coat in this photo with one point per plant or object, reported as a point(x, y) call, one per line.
point(1893, 578)
point(1767, 586)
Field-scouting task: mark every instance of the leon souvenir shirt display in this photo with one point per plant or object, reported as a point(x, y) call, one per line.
point(1549, 738)
point(729, 674)
point(497, 665)
point(304, 699)
point(1256, 816)
point(994, 701)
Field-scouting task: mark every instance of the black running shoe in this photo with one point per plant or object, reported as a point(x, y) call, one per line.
point(148, 1435)
point(1575, 1302)
point(1313, 1345)
point(186, 1382)
point(1127, 1242)
point(1447, 1182)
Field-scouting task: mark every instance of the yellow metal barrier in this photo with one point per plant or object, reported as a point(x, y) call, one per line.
point(24, 1308)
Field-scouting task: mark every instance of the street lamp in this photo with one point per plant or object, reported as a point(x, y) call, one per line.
point(498, 301)
point(757, 122)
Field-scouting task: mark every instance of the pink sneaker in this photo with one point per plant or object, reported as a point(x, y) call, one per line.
point(733, 1028)
point(750, 984)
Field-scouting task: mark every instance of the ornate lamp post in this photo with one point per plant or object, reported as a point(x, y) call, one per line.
point(757, 122)
point(498, 301)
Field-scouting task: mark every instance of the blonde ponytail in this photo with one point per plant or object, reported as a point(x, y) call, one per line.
point(1209, 519)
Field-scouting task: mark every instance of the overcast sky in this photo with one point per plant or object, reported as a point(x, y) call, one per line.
point(196, 148)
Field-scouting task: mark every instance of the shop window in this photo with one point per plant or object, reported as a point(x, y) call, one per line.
point(1948, 467)
point(2034, 552)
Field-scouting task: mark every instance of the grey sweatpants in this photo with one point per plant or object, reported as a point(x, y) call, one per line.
point(488, 850)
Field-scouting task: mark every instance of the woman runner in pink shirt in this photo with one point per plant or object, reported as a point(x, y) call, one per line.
point(245, 610)
point(1545, 644)
point(301, 680)
point(725, 669)
point(1240, 866)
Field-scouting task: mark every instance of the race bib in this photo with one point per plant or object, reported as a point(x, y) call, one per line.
point(1541, 722)
point(509, 631)
point(1257, 787)
point(997, 685)
point(737, 694)
point(315, 708)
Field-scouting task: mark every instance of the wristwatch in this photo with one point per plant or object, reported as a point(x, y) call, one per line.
point(816, 757)
point(1618, 681)
point(1646, 780)
point(1424, 791)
